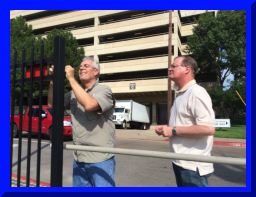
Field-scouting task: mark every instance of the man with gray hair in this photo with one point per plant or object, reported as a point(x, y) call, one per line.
point(92, 109)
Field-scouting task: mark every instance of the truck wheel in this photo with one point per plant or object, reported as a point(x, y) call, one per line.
point(124, 125)
point(15, 131)
point(144, 127)
point(50, 133)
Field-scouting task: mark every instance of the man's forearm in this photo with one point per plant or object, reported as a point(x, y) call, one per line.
point(195, 131)
point(50, 93)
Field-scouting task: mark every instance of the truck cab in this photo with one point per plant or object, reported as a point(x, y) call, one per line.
point(121, 116)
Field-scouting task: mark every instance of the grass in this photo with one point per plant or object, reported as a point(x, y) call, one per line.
point(236, 131)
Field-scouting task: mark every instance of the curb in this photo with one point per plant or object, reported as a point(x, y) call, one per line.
point(215, 143)
point(222, 143)
point(32, 181)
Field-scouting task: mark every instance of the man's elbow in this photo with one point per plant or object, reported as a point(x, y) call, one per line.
point(88, 107)
point(49, 105)
point(91, 106)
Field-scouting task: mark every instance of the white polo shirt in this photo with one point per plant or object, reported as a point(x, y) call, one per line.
point(192, 106)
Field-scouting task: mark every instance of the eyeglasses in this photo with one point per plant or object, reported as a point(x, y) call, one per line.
point(85, 65)
point(173, 66)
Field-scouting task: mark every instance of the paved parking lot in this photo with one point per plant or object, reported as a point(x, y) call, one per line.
point(133, 171)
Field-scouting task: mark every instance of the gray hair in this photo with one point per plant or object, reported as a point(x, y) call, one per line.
point(95, 64)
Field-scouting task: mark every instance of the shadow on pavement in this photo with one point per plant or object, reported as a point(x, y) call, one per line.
point(226, 172)
point(25, 158)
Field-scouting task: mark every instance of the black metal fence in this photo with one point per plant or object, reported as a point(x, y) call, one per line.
point(58, 110)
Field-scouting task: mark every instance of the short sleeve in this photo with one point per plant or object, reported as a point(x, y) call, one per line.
point(67, 98)
point(105, 99)
point(201, 108)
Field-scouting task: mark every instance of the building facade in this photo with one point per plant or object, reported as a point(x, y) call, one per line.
point(130, 45)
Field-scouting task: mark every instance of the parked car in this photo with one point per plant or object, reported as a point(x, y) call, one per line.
point(46, 125)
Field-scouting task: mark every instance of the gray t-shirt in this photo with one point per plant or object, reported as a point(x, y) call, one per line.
point(94, 128)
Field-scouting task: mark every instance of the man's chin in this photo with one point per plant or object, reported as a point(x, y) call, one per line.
point(172, 78)
point(83, 79)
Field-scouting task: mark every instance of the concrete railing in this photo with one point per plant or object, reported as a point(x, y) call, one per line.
point(134, 79)
point(157, 154)
point(134, 58)
point(133, 38)
point(142, 16)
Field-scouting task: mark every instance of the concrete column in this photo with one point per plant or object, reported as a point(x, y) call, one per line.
point(175, 26)
point(96, 21)
point(154, 113)
point(175, 13)
point(96, 57)
point(96, 40)
point(176, 48)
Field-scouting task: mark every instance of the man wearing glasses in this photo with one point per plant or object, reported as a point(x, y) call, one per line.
point(191, 125)
point(92, 109)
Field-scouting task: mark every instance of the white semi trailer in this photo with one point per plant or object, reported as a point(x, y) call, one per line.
point(131, 114)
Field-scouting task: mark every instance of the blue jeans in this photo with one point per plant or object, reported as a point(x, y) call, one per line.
point(189, 178)
point(94, 174)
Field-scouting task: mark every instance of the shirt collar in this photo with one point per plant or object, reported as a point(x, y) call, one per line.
point(95, 83)
point(185, 87)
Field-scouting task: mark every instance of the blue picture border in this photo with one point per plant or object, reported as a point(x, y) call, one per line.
point(117, 5)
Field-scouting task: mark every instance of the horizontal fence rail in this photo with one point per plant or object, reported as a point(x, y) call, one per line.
point(19, 66)
point(35, 79)
point(157, 154)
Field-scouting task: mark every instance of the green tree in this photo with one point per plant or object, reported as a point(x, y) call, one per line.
point(73, 54)
point(219, 43)
point(22, 35)
point(227, 102)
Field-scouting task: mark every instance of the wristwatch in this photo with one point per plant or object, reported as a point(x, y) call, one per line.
point(174, 131)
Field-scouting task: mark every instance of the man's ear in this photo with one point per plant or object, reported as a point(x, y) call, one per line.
point(96, 71)
point(188, 69)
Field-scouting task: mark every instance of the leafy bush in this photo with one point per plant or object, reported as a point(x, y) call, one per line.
point(237, 119)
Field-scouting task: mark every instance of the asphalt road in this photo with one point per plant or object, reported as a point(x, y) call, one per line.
point(133, 171)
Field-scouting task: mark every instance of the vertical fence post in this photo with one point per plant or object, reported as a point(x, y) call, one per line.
point(21, 117)
point(58, 112)
point(40, 116)
point(30, 115)
point(12, 112)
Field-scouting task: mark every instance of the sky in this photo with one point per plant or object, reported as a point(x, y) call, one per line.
point(226, 83)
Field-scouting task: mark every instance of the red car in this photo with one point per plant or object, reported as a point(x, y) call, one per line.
point(46, 125)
